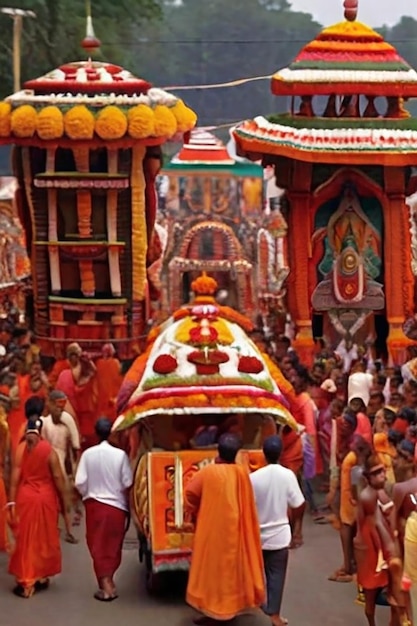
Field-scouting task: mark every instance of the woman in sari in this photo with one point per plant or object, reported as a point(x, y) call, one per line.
point(37, 492)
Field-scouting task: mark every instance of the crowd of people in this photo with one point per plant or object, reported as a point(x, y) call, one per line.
point(352, 464)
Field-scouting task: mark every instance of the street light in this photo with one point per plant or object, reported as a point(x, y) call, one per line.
point(17, 16)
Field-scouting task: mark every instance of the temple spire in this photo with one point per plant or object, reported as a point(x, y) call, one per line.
point(90, 43)
point(351, 10)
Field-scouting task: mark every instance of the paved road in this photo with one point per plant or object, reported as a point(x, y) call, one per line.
point(310, 600)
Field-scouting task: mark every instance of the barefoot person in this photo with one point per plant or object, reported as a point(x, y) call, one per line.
point(276, 491)
point(226, 575)
point(60, 429)
point(103, 478)
point(377, 551)
point(37, 489)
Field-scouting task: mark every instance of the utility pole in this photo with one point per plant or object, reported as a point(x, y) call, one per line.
point(17, 16)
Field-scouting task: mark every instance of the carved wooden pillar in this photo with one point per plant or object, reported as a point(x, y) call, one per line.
point(397, 252)
point(299, 234)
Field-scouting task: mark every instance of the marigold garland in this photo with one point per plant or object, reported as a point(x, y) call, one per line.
point(165, 122)
point(5, 119)
point(141, 122)
point(23, 121)
point(79, 123)
point(111, 123)
point(186, 118)
point(50, 123)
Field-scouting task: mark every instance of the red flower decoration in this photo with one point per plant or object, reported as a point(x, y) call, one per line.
point(203, 335)
point(207, 362)
point(250, 365)
point(165, 364)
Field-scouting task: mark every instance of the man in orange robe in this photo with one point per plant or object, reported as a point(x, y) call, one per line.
point(226, 575)
point(4, 458)
point(109, 381)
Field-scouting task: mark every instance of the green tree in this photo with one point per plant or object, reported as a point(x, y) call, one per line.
point(55, 35)
point(219, 41)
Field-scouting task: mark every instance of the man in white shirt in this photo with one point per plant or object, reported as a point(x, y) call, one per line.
point(103, 479)
point(360, 383)
point(276, 490)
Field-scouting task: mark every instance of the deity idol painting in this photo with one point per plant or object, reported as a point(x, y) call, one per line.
point(348, 251)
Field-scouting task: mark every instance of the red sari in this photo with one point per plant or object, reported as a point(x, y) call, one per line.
point(37, 553)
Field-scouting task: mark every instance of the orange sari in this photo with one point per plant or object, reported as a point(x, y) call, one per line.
point(16, 416)
point(226, 574)
point(37, 553)
point(4, 449)
point(109, 381)
point(83, 399)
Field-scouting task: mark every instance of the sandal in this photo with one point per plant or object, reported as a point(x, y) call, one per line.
point(102, 596)
point(340, 576)
point(24, 592)
point(42, 585)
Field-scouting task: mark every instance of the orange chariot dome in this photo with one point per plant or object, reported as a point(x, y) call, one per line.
point(204, 285)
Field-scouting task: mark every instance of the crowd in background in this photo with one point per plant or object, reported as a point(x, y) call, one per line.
point(355, 417)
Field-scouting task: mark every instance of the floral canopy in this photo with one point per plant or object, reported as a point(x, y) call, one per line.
point(201, 361)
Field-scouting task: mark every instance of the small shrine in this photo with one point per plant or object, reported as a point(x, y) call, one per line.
point(344, 154)
point(87, 140)
point(211, 208)
point(14, 261)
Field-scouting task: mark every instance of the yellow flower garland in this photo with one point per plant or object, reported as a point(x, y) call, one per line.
point(79, 123)
point(23, 121)
point(139, 237)
point(111, 123)
point(50, 123)
point(186, 118)
point(5, 119)
point(165, 122)
point(141, 122)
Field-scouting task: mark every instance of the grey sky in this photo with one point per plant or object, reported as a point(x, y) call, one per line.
point(372, 12)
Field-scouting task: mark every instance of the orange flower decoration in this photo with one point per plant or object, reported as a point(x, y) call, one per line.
point(204, 285)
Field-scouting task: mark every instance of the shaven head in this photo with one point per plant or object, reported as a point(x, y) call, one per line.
point(103, 428)
point(229, 446)
point(272, 448)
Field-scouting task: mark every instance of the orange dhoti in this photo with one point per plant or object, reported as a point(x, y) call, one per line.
point(226, 575)
point(3, 519)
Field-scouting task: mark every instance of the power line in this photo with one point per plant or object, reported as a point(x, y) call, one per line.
point(193, 42)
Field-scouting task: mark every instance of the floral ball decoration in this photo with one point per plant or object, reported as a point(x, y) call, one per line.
point(24, 121)
point(111, 123)
point(186, 118)
point(50, 123)
point(165, 122)
point(141, 122)
point(250, 365)
point(79, 123)
point(165, 364)
point(204, 285)
point(5, 119)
